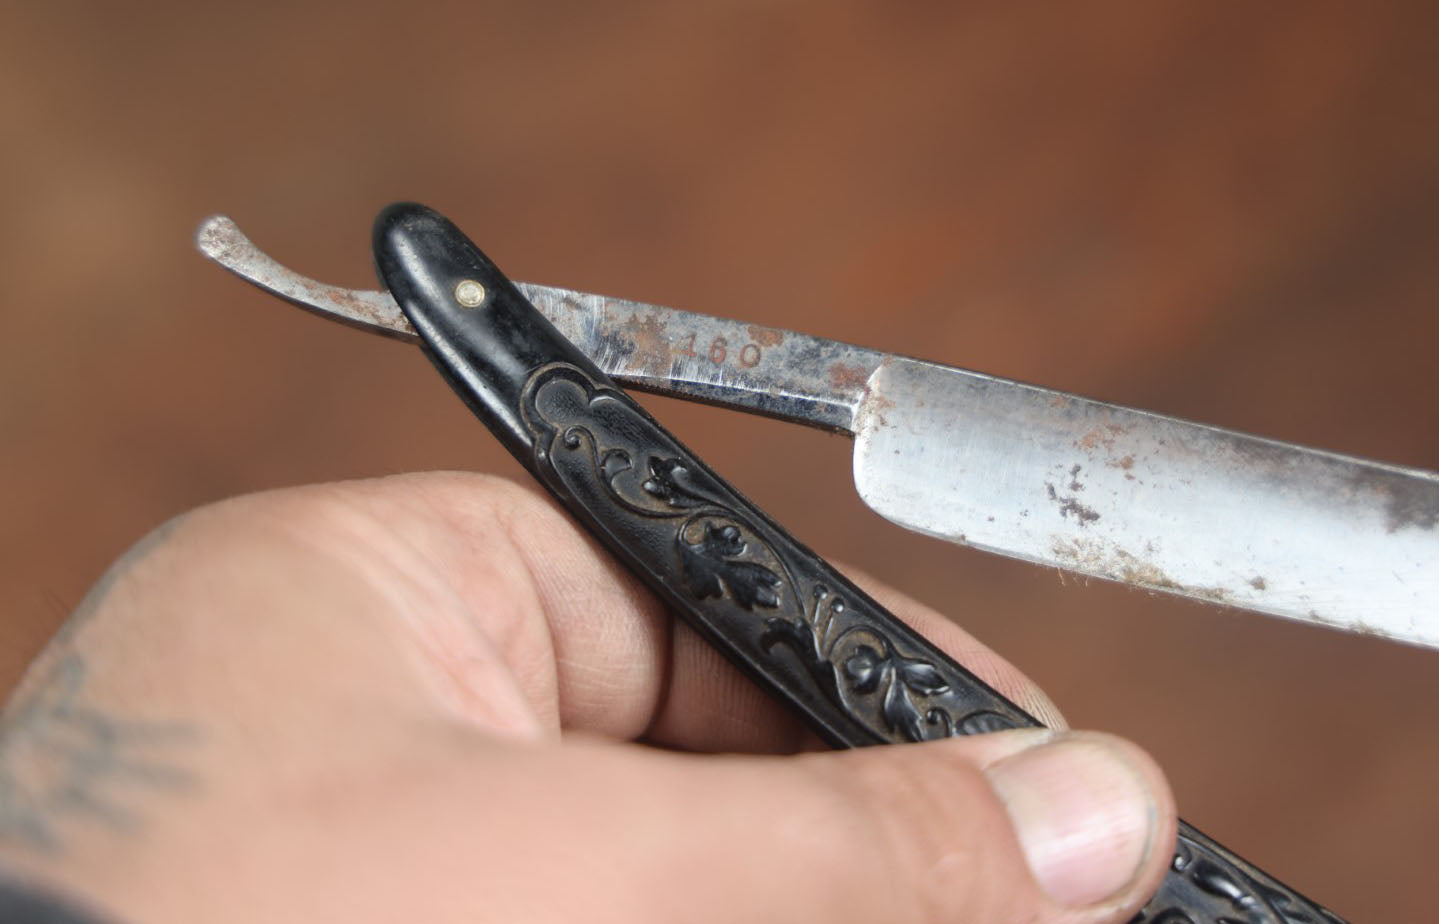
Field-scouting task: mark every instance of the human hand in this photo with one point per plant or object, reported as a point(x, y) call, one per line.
point(432, 698)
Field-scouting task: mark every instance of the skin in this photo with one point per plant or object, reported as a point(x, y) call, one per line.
point(430, 697)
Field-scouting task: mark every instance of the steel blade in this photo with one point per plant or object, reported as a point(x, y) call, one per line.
point(1151, 501)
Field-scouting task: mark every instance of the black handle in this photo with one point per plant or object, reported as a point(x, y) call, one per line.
point(856, 673)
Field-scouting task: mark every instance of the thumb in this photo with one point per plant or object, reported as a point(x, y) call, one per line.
point(1017, 826)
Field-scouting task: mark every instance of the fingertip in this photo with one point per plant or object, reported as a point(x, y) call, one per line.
point(1092, 814)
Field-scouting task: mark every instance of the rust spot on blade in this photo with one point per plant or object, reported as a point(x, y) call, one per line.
point(765, 336)
point(1103, 436)
point(345, 301)
point(1125, 465)
point(650, 338)
point(846, 376)
point(875, 405)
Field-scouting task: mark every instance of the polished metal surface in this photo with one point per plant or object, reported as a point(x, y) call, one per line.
point(1063, 481)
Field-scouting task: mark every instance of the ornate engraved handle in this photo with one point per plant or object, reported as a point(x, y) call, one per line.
point(856, 673)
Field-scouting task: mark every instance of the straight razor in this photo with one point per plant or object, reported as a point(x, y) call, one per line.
point(1063, 481)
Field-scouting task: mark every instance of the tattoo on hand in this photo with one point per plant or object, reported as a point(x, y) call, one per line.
point(98, 594)
point(63, 758)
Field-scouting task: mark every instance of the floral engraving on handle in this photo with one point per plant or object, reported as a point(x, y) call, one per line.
point(715, 564)
point(870, 665)
point(1208, 884)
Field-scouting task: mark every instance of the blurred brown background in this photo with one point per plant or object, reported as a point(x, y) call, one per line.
point(1227, 213)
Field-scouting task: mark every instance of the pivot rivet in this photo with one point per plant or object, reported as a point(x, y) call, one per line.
point(469, 293)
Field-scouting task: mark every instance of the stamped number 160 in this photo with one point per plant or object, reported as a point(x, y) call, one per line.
point(749, 354)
